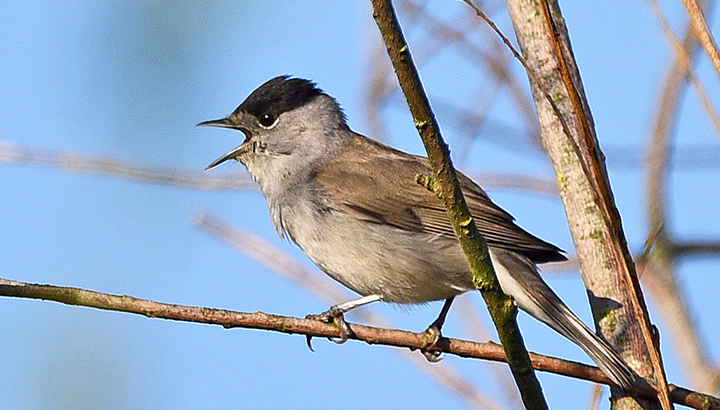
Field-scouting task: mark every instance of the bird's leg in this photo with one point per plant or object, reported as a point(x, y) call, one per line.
point(336, 315)
point(434, 333)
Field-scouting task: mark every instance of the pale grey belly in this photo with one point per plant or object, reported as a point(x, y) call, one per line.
point(371, 258)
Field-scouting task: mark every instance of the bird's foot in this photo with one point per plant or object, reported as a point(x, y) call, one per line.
point(432, 352)
point(430, 348)
point(332, 315)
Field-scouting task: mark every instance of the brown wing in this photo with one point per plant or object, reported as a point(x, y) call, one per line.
point(394, 198)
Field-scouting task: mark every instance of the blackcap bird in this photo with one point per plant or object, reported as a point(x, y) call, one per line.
point(353, 206)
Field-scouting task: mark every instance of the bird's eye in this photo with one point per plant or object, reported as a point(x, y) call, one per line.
point(267, 120)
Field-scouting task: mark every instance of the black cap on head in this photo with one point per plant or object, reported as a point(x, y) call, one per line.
point(279, 95)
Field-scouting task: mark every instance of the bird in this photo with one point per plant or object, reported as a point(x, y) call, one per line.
point(353, 206)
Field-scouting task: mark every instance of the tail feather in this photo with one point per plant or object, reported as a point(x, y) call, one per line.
point(600, 351)
point(519, 278)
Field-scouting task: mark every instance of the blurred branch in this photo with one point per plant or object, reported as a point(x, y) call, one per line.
point(444, 183)
point(686, 53)
point(492, 78)
point(595, 398)
point(659, 270)
point(313, 328)
point(544, 186)
point(72, 162)
point(701, 156)
point(696, 248)
point(13, 153)
point(693, 354)
point(457, 33)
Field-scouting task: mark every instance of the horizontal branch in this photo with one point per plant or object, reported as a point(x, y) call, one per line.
point(314, 328)
point(13, 153)
point(73, 162)
point(692, 248)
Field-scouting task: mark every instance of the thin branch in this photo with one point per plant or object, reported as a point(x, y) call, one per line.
point(536, 80)
point(531, 184)
point(696, 248)
point(700, 156)
point(672, 303)
point(686, 53)
point(470, 321)
point(595, 399)
point(456, 32)
point(12, 153)
point(702, 32)
point(446, 186)
point(314, 328)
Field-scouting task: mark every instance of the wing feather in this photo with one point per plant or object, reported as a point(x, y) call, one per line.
point(395, 199)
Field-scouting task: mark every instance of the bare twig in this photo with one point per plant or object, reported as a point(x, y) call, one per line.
point(290, 325)
point(686, 52)
point(456, 33)
point(702, 32)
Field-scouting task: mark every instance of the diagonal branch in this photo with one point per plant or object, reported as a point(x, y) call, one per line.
point(593, 163)
point(702, 32)
point(568, 134)
point(446, 186)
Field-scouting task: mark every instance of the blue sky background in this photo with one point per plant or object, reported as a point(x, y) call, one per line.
point(129, 80)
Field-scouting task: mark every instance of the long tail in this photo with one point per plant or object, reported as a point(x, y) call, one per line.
point(519, 278)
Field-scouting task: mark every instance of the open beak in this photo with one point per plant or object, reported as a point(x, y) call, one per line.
point(232, 154)
point(225, 123)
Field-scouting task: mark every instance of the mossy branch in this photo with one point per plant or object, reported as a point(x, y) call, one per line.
point(444, 183)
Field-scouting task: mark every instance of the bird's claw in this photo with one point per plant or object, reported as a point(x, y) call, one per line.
point(336, 317)
point(432, 356)
point(431, 337)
